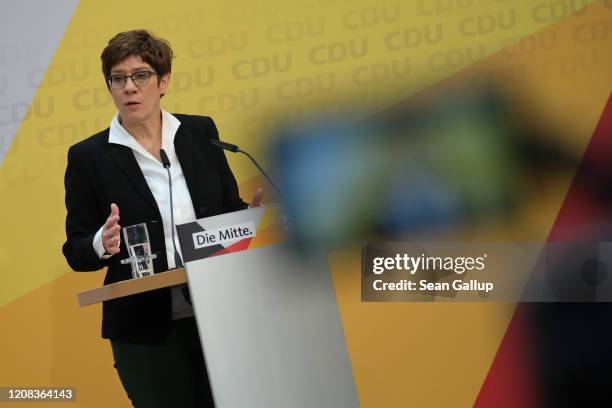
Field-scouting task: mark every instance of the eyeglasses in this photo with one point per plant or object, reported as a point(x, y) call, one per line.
point(139, 78)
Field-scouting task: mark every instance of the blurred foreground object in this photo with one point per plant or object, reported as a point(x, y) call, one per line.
point(418, 166)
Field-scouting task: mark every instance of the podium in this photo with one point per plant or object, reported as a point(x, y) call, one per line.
point(268, 319)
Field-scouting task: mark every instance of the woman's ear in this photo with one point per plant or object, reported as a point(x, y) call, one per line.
point(164, 82)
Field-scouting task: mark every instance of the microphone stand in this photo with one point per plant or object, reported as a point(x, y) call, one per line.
point(235, 149)
point(178, 262)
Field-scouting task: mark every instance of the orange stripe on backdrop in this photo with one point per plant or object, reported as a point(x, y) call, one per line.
point(47, 340)
point(439, 354)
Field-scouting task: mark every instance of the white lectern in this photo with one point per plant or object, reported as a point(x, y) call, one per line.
point(268, 320)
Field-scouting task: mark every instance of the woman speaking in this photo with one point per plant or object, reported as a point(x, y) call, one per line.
point(116, 178)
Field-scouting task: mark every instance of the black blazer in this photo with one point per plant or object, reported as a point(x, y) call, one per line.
point(100, 173)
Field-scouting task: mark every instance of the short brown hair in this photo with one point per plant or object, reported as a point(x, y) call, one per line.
point(154, 51)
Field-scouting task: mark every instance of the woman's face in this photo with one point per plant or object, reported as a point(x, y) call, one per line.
point(138, 103)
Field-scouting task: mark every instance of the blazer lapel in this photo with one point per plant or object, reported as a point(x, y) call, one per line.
point(124, 157)
point(193, 163)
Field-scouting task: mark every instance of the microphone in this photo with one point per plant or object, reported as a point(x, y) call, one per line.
point(178, 262)
point(235, 149)
point(224, 145)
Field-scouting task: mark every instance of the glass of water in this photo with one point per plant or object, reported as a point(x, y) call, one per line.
point(139, 250)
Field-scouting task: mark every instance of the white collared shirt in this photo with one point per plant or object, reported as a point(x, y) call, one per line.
point(156, 177)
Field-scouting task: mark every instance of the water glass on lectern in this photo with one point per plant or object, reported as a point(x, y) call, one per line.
point(139, 250)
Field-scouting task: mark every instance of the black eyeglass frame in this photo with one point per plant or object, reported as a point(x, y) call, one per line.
point(109, 79)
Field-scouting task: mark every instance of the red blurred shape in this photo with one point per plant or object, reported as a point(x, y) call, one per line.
point(512, 378)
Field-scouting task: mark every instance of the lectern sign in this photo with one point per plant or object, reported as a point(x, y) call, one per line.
point(223, 236)
point(232, 232)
